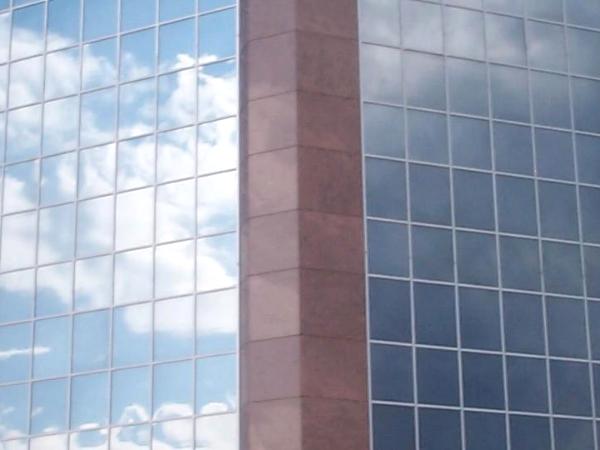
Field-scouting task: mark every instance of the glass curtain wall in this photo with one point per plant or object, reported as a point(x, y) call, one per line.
point(481, 123)
point(118, 246)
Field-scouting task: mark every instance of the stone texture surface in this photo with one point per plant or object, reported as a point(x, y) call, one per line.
point(303, 332)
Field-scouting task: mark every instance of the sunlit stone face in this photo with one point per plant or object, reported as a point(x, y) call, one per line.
point(118, 239)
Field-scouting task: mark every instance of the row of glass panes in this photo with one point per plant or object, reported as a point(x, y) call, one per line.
point(211, 431)
point(121, 397)
point(68, 123)
point(100, 62)
point(521, 324)
point(62, 22)
point(432, 201)
point(502, 39)
point(476, 262)
point(388, 72)
point(480, 145)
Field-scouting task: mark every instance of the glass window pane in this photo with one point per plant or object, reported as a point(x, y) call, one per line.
point(16, 295)
point(217, 91)
point(137, 13)
point(527, 384)
point(98, 110)
point(516, 205)
point(96, 171)
point(54, 289)
point(28, 31)
point(566, 327)
point(174, 269)
point(393, 424)
point(90, 341)
point(171, 9)
point(388, 248)
point(133, 276)
point(132, 335)
point(389, 310)
point(430, 194)
point(386, 188)
point(439, 429)
point(435, 314)
point(427, 137)
point(123, 438)
point(175, 204)
point(16, 349)
point(26, 82)
point(217, 322)
point(479, 319)
point(380, 21)
point(588, 158)
point(590, 213)
point(18, 241)
point(594, 316)
point(505, 6)
point(99, 64)
point(562, 268)
point(422, 26)
point(391, 373)
point(570, 388)
point(505, 39)
point(432, 253)
point(467, 86)
point(217, 262)
point(134, 224)
point(89, 440)
point(23, 133)
point(381, 74)
point(216, 385)
point(476, 258)
point(510, 93)
point(592, 265)
point(546, 46)
point(217, 203)
point(136, 163)
point(137, 54)
point(383, 130)
point(437, 377)
point(573, 434)
point(523, 323)
point(15, 401)
point(470, 143)
point(520, 263)
point(483, 381)
point(473, 200)
point(59, 179)
point(174, 329)
point(56, 234)
point(63, 23)
point(424, 80)
point(586, 98)
point(176, 105)
point(173, 390)
point(207, 5)
point(93, 283)
point(554, 154)
point(529, 433)
point(464, 33)
point(89, 400)
point(136, 103)
point(551, 99)
point(582, 45)
point(94, 226)
point(50, 405)
point(177, 45)
point(582, 12)
point(62, 71)
point(51, 356)
point(175, 154)
point(130, 395)
point(4, 36)
point(215, 39)
point(99, 18)
point(21, 186)
point(558, 210)
point(513, 148)
point(164, 437)
point(485, 431)
point(545, 9)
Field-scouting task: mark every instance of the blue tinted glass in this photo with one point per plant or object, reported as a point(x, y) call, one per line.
point(422, 26)
point(382, 21)
point(432, 253)
point(100, 18)
point(513, 149)
point(588, 158)
point(130, 395)
point(15, 344)
point(485, 431)
point(132, 335)
point(89, 400)
point(435, 314)
point(581, 51)
point(427, 137)
point(173, 390)
point(590, 214)
point(171, 9)
point(90, 341)
point(389, 306)
point(464, 33)
point(516, 205)
point(467, 87)
point(573, 434)
point(582, 12)
point(383, 130)
point(386, 188)
point(592, 265)
point(208, 5)
point(529, 433)
point(566, 327)
point(439, 429)
point(391, 425)
point(554, 154)
point(527, 384)
point(570, 388)
point(430, 194)
point(63, 23)
point(476, 258)
point(505, 39)
point(520, 262)
point(473, 200)
point(137, 54)
point(437, 377)
point(28, 31)
point(52, 339)
point(137, 13)
point(215, 39)
point(381, 74)
point(479, 319)
point(16, 296)
point(586, 98)
point(424, 80)
point(388, 248)
point(49, 401)
point(176, 45)
point(483, 381)
point(14, 401)
point(391, 373)
point(562, 268)
point(510, 97)
point(551, 100)
point(523, 323)
point(470, 141)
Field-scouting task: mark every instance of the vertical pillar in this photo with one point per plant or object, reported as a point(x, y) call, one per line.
point(303, 332)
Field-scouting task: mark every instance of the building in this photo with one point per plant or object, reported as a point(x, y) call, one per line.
point(413, 263)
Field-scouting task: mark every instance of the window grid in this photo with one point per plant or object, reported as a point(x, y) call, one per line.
point(205, 230)
point(382, 145)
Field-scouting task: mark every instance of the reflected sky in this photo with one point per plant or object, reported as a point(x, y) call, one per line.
point(115, 194)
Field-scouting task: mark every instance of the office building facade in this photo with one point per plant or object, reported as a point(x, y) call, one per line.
point(300, 224)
